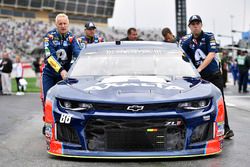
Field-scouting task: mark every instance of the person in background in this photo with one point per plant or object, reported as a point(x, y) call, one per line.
point(18, 70)
point(234, 70)
point(0, 80)
point(243, 64)
point(36, 67)
point(6, 69)
point(90, 36)
point(132, 35)
point(168, 35)
point(224, 67)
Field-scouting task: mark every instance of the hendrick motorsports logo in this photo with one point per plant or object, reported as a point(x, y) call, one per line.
point(135, 108)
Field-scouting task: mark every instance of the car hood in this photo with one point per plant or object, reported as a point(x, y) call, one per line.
point(132, 89)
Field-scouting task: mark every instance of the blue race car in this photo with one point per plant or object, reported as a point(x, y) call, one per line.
point(134, 100)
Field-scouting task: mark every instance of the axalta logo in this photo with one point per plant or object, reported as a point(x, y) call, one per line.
point(109, 85)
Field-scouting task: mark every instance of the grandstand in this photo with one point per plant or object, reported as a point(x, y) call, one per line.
point(78, 10)
point(23, 23)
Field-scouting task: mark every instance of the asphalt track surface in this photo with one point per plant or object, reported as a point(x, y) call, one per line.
point(22, 144)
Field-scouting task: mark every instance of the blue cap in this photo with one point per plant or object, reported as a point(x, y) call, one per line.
point(90, 25)
point(194, 18)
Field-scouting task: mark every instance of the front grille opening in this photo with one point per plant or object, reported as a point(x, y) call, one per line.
point(65, 133)
point(202, 133)
point(135, 135)
point(146, 107)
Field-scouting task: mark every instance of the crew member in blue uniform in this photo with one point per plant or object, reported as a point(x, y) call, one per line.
point(61, 48)
point(90, 35)
point(201, 47)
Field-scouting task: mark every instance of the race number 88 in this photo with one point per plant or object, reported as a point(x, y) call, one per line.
point(65, 118)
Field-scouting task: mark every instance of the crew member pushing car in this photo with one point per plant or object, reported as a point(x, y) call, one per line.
point(201, 47)
point(61, 48)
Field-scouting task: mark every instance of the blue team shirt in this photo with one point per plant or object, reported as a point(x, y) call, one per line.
point(83, 40)
point(198, 49)
point(53, 41)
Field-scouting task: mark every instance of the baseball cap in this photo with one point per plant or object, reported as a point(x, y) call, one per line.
point(194, 18)
point(90, 25)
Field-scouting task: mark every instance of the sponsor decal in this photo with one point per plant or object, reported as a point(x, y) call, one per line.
point(50, 36)
point(55, 42)
point(221, 130)
point(46, 39)
point(65, 43)
point(109, 85)
point(71, 39)
point(47, 52)
point(46, 44)
point(212, 43)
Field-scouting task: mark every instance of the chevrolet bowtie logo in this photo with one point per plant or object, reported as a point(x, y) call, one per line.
point(135, 108)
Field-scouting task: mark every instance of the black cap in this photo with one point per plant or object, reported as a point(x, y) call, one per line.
point(194, 18)
point(90, 25)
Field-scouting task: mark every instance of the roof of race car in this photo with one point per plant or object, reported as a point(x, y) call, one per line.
point(134, 45)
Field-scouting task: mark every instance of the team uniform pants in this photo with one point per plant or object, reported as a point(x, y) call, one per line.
point(48, 81)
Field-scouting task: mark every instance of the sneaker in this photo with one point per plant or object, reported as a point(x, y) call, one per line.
point(229, 134)
point(19, 93)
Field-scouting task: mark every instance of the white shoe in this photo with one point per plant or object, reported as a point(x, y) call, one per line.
point(19, 93)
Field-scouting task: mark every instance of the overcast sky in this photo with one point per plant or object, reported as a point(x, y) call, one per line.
point(217, 15)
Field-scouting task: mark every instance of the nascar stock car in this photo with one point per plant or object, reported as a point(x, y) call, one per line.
point(133, 100)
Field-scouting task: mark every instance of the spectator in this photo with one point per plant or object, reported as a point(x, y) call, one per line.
point(224, 66)
point(0, 80)
point(168, 35)
point(243, 65)
point(6, 68)
point(18, 70)
point(234, 70)
point(131, 35)
point(36, 67)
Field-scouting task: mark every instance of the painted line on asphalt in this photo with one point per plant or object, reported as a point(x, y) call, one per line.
point(243, 96)
point(230, 105)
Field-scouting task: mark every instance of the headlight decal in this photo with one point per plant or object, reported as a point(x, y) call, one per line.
point(75, 105)
point(194, 105)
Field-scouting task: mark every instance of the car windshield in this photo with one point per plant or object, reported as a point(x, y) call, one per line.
point(133, 61)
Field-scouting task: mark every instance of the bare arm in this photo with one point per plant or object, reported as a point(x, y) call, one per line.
point(207, 61)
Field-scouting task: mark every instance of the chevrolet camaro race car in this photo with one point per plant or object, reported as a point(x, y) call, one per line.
point(133, 100)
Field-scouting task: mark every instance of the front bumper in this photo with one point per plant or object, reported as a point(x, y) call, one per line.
point(100, 135)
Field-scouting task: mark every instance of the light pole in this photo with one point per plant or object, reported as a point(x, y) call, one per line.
point(232, 16)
